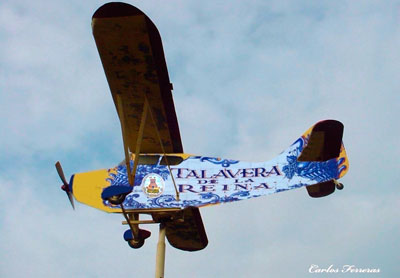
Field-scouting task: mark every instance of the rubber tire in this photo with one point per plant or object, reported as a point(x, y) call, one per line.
point(136, 244)
point(117, 199)
point(339, 186)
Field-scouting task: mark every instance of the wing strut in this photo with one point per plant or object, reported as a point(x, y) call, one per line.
point(162, 148)
point(140, 137)
point(131, 172)
point(126, 148)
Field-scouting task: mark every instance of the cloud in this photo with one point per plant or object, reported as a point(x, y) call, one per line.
point(249, 78)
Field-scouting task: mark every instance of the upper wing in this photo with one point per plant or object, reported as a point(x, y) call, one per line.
point(132, 55)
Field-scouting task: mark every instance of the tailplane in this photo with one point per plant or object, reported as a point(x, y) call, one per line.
point(322, 145)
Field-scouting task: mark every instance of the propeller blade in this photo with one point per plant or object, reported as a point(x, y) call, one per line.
point(65, 187)
point(61, 173)
point(71, 199)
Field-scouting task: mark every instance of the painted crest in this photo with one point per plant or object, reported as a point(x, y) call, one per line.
point(153, 185)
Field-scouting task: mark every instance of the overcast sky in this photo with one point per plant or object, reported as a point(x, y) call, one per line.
point(249, 78)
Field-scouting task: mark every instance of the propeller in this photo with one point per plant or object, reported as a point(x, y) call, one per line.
point(65, 185)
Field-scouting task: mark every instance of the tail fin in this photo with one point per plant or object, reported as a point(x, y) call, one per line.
point(320, 145)
point(324, 142)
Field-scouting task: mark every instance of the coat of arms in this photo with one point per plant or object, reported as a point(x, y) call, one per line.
point(153, 185)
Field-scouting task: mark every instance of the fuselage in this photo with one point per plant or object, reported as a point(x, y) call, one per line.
point(200, 181)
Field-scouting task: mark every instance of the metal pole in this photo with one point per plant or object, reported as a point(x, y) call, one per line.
point(160, 257)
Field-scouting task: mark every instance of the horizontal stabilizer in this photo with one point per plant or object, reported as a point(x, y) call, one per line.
point(324, 142)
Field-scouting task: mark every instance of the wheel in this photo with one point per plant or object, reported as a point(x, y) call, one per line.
point(339, 186)
point(117, 199)
point(136, 243)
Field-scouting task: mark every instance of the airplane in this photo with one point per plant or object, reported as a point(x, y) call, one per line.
point(156, 177)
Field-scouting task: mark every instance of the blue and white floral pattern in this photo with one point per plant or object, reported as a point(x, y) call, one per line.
point(219, 161)
point(204, 181)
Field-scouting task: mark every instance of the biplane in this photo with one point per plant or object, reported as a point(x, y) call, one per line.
point(157, 178)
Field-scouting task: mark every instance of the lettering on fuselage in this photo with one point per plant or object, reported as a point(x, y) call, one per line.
point(185, 173)
point(210, 180)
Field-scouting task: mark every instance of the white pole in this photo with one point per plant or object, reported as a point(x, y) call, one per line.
point(160, 257)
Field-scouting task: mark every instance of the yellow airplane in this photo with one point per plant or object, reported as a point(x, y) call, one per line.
point(156, 177)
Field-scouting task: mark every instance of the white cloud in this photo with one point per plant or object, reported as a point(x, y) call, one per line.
point(249, 78)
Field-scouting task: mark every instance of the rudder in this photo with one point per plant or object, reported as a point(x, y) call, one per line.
point(323, 142)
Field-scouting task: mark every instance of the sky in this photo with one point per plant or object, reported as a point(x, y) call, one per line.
point(249, 78)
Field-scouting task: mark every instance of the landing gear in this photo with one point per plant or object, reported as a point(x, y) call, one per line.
point(116, 194)
point(136, 243)
point(339, 186)
point(117, 199)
